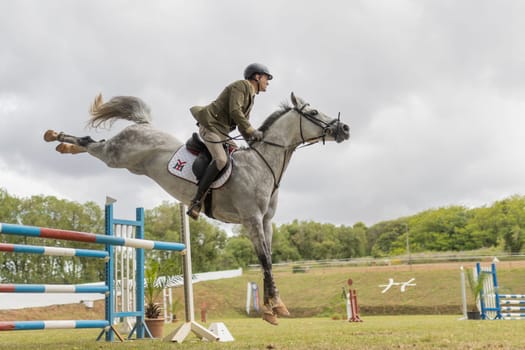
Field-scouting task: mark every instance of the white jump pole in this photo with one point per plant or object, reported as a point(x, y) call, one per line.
point(463, 293)
point(248, 298)
point(190, 325)
point(348, 306)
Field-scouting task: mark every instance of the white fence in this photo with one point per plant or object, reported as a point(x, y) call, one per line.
point(10, 301)
point(397, 260)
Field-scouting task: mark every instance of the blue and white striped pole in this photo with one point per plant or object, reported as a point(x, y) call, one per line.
point(52, 288)
point(65, 324)
point(55, 251)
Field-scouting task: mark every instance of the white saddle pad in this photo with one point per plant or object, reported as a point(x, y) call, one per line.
point(182, 161)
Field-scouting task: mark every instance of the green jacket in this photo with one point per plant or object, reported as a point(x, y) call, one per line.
point(231, 109)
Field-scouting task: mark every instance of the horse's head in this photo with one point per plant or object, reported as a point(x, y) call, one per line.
point(315, 125)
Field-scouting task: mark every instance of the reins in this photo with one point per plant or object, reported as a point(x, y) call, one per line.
point(303, 143)
point(228, 138)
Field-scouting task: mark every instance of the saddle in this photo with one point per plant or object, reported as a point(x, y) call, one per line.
point(195, 146)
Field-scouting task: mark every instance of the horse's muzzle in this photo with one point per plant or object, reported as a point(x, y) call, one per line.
point(340, 132)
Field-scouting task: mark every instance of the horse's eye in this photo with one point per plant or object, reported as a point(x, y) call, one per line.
point(314, 112)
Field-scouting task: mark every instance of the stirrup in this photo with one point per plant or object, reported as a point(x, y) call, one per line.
point(194, 211)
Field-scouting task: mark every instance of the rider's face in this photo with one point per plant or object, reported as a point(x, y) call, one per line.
point(263, 82)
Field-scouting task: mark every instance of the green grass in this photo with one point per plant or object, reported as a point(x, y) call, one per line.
point(318, 292)
point(376, 332)
point(314, 298)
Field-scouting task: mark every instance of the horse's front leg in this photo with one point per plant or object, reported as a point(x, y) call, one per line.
point(264, 254)
point(68, 144)
point(269, 289)
point(277, 305)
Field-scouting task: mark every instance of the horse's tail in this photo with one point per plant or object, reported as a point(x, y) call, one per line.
point(120, 107)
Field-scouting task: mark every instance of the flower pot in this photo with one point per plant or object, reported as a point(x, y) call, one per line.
point(473, 315)
point(155, 326)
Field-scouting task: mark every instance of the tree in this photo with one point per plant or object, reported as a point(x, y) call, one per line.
point(162, 223)
point(389, 234)
point(207, 244)
point(48, 211)
point(351, 241)
point(512, 210)
point(283, 249)
point(441, 229)
point(207, 240)
point(238, 252)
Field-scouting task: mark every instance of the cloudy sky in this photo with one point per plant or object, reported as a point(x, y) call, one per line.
point(433, 91)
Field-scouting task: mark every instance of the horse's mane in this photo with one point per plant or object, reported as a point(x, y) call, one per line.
point(284, 107)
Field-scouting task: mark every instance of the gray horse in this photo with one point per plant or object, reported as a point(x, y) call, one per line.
point(249, 197)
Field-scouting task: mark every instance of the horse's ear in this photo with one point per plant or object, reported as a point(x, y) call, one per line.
point(297, 101)
point(294, 99)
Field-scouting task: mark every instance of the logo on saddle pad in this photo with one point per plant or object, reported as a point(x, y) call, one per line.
point(181, 164)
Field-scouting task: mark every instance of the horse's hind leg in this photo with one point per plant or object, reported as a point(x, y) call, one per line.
point(51, 135)
point(68, 144)
point(68, 148)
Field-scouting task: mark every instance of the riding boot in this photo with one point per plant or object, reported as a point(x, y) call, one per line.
point(204, 185)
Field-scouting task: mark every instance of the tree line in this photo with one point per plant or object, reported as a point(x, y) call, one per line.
point(452, 228)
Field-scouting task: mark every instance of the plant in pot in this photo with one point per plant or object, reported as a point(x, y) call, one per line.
point(152, 289)
point(475, 286)
point(175, 307)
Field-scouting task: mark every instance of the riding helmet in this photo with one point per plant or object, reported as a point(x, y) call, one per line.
point(257, 68)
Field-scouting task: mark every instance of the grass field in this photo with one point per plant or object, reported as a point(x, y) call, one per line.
point(376, 332)
point(393, 320)
point(318, 292)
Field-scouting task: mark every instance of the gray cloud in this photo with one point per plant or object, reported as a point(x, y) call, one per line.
point(433, 91)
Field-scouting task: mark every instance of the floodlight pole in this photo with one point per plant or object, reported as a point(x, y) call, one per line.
point(408, 244)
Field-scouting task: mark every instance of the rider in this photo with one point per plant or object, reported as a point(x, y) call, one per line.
point(216, 120)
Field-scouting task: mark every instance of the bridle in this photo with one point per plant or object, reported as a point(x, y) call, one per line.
point(325, 127)
point(310, 116)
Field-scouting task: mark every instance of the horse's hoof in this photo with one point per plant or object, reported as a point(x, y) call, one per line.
point(281, 310)
point(50, 136)
point(278, 307)
point(63, 148)
point(69, 148)
point(270, 318)
point(268, 315)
